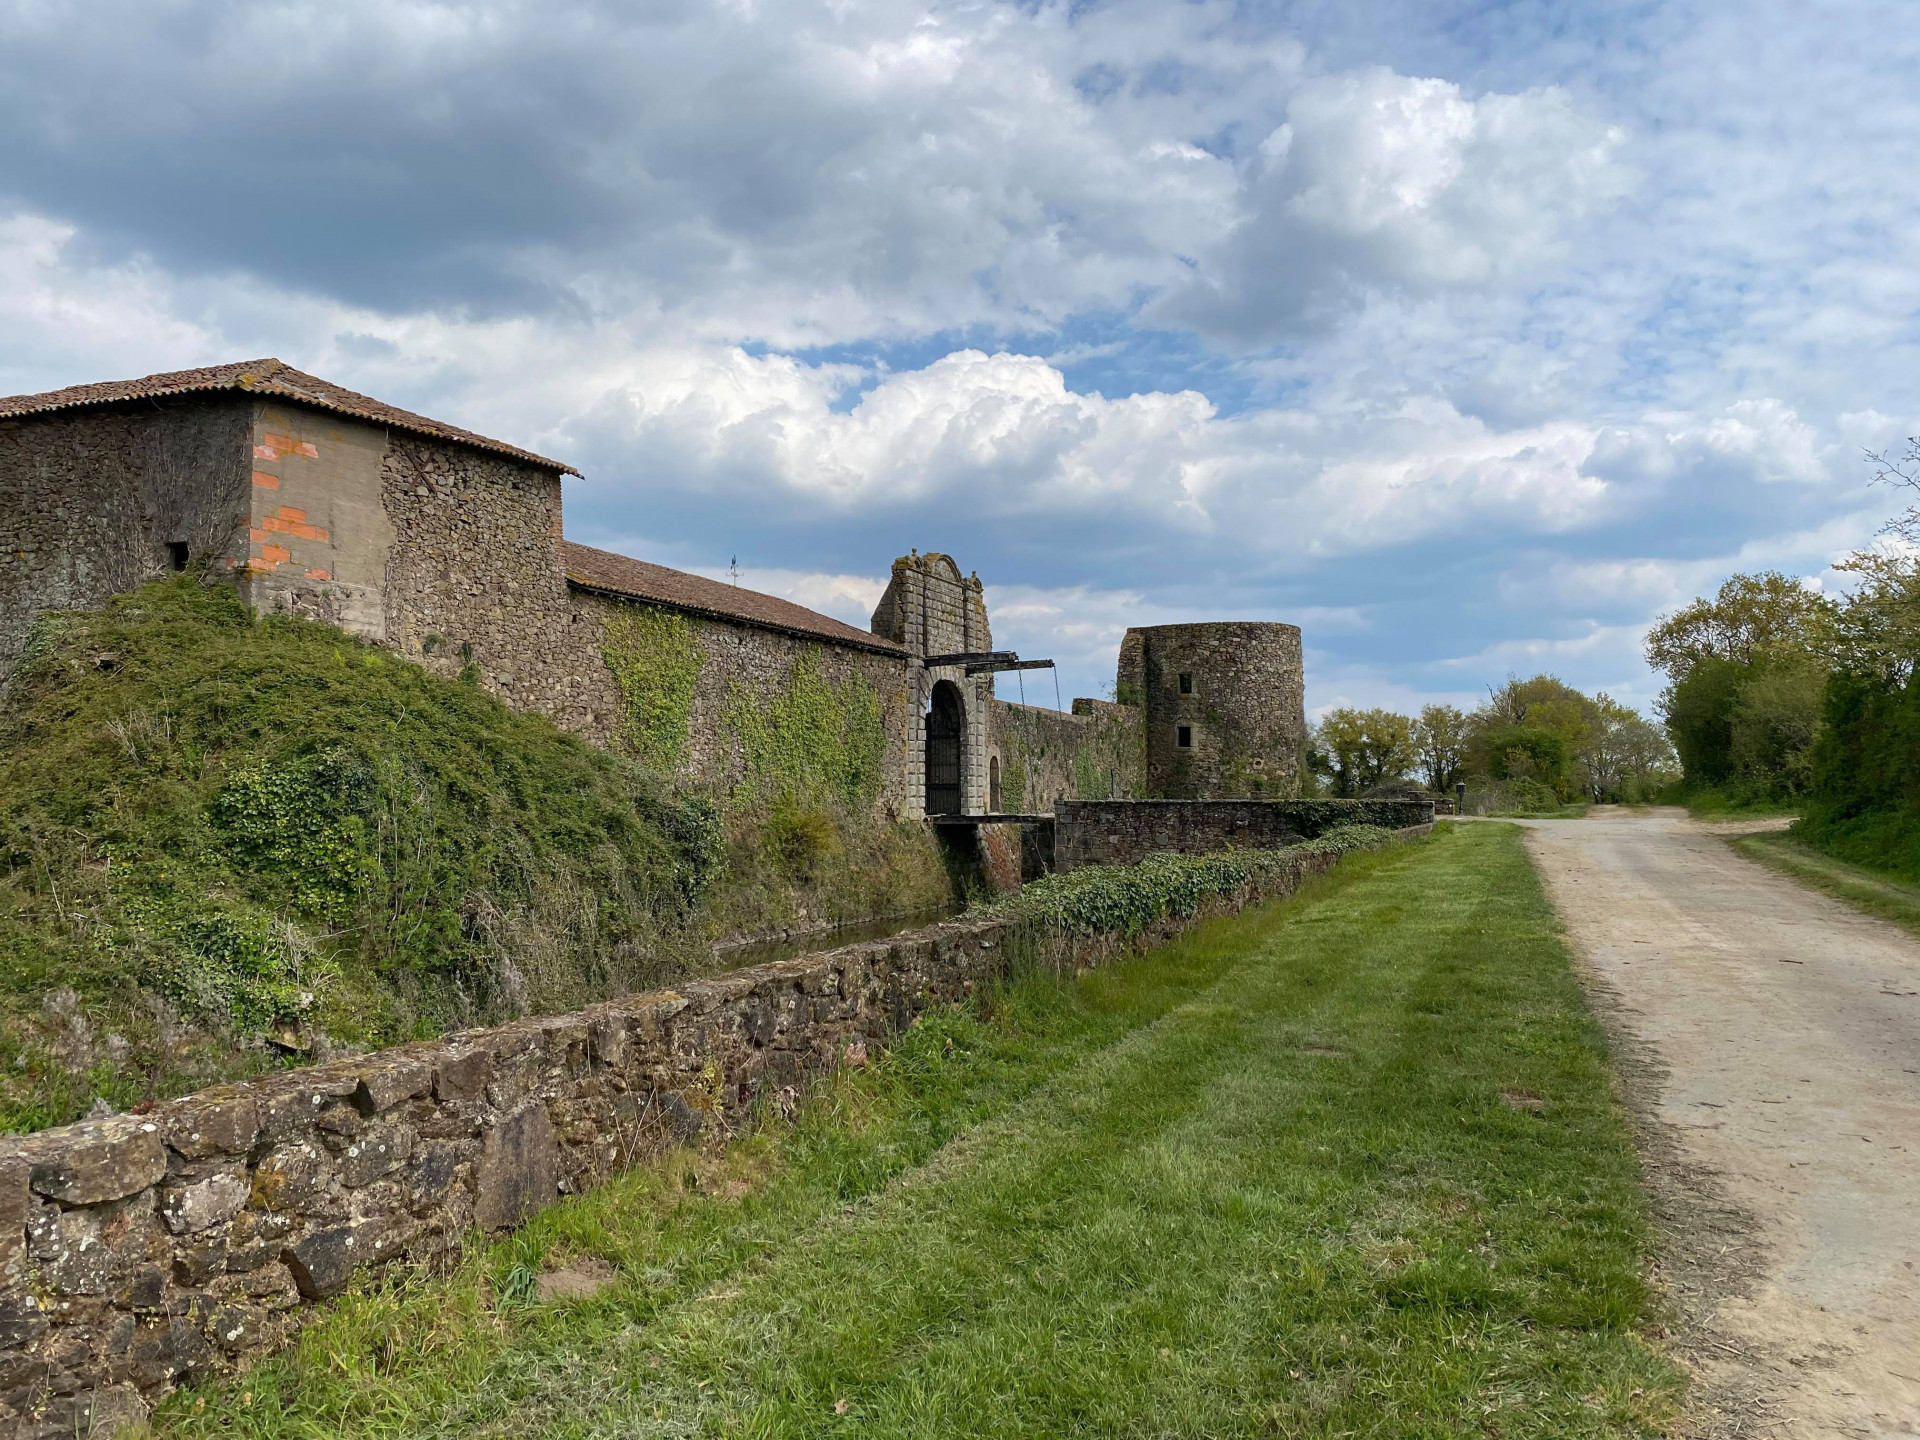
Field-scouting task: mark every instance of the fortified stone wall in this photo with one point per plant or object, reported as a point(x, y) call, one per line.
point(474, 577)
point(1124, 832)
point(1225, 707)
point(745, 710)
point(91, 501)
point(143, 1250)
point(1045, 756)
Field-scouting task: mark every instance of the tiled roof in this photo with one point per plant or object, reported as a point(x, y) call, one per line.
point(265, 377)
point(612, 574)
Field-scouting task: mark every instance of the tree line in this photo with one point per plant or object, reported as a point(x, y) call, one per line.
point(1532, 745)
point(1781, 694)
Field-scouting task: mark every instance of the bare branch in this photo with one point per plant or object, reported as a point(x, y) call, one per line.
point(1904, 471)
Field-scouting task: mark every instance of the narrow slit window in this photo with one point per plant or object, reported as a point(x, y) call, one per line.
point(1184, 736)
point(1186, 682)
point(177, 554)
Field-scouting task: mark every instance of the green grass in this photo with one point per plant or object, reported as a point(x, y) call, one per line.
point(1347, 1165)
point(221, 838)
point(1706, 803)
point(1881, 893)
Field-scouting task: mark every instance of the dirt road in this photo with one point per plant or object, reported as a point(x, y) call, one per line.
point(1777, 1066)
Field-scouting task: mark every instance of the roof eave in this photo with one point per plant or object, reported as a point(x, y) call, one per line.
point(876, 646)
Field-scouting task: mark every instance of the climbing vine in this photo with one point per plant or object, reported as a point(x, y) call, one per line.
point(655, 662)
point(814, 741)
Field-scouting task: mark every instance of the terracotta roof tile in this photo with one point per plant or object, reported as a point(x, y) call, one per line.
point(612, 574)
point(265, 377)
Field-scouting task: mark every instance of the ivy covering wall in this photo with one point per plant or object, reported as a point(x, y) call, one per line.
point(655, 660)
point(812, 741)
point(1096, 753)
point(788, 740)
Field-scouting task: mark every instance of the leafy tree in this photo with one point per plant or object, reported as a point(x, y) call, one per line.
point(1878, 630)
point(1440, 738)
point(1625, 753)
point(1528, 752)
point(1361, 748)
point(1773, 726)
point(1698, 708)
point(1751, 618)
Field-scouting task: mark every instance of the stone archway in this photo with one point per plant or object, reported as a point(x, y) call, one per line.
point(946, 750)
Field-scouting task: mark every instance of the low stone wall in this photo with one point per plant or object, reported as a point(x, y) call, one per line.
point(1124, 832)
point(144, 1249)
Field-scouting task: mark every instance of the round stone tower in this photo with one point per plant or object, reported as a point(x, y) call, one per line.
point(1224, 705)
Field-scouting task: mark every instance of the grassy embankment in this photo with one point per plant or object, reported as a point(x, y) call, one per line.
point(1710, 803)
point(1878, 892)
point(1347, 1165)
point(228, 844)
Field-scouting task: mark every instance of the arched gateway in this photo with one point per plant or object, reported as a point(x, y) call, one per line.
point(946, 744)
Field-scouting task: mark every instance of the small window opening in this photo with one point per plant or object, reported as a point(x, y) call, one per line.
point(1185, 736)
point(1186, 682)
point(177, 554)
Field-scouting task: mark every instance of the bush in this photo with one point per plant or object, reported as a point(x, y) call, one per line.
point(1863, 799)
point(798, 836)
point(1126, 899)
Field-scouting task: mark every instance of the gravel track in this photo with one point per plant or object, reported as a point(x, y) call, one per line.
point(1770, 1046)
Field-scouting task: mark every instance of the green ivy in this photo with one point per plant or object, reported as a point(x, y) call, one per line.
point(655, 661)
point(1126, 899)
point(1013, 787)
point(814, 741)
point(300, 819)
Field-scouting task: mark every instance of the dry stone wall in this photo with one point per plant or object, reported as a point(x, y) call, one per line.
point(143, 1250)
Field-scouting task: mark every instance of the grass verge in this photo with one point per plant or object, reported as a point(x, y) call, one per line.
point(1878, 893)
point(1728, 804)
point(1347, 1165)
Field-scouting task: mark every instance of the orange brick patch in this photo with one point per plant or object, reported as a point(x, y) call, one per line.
point(319, 574)
point(293, 522)
point(272, 447)
point(275, 554)
point(264, 480)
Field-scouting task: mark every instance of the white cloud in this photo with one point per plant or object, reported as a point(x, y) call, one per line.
point(1561, 320)
point(1379, 180)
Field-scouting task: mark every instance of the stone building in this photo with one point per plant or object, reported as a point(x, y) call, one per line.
point(447, 547)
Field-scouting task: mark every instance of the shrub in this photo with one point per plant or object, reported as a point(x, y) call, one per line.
point(1126, 899)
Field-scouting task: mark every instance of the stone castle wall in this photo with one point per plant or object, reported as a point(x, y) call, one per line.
point(1047, 756)
point(729, 679)
point(143, 1250)
point(1125, 832)
point(1241, 715)
point(90, 502)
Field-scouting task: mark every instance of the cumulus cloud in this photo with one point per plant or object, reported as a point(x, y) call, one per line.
point(1383, 180)
point(1448, 332)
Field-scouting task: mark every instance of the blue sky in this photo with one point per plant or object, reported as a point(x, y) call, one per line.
point(1469, 338)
